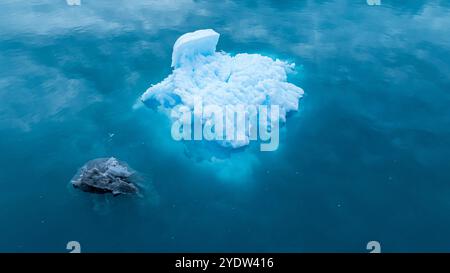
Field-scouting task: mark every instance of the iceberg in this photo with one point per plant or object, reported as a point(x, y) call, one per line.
point(218, 78)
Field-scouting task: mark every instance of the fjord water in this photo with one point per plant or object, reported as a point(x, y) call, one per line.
point(367, 156)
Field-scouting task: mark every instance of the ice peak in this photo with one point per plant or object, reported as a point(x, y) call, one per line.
point(201, 42)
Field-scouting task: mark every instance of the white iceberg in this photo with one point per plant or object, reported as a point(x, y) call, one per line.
point(218, 78)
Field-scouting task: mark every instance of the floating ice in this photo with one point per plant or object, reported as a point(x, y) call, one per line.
point(217, 78)
point(105, 175)
point(73, 2)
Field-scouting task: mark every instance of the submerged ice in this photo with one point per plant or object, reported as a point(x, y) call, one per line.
point(218, 78)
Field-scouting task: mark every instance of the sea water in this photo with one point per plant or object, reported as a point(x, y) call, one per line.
point(366, 157)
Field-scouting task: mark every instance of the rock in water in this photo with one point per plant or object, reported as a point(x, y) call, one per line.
point(105, 175)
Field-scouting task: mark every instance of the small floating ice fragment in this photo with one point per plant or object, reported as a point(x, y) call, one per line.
point(73, 2)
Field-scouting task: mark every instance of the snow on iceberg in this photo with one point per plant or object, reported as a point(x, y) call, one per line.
point(218, 78)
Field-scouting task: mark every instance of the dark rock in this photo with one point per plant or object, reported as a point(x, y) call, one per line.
point(105, 175)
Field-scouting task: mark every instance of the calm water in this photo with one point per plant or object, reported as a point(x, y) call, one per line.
point(366, 158)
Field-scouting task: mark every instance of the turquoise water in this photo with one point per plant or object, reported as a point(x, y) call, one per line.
point(365, 158)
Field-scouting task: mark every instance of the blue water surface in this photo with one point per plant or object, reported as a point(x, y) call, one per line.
point(366, 157)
